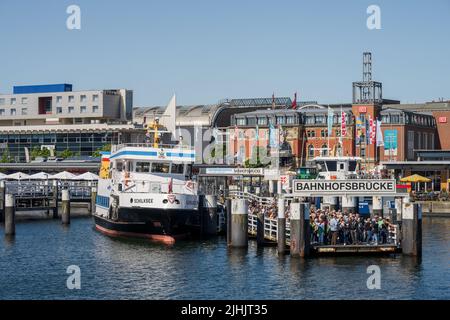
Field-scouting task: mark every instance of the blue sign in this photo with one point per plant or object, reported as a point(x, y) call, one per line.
point(363, 208)
point(390, 139)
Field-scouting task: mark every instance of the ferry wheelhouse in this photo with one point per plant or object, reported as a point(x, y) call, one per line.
point(146, 191)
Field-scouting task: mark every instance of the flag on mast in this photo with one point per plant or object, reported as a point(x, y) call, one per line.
point(273, 101)
point(343, 124)
point(330, 121)
point(380, 142)
point(294, 103)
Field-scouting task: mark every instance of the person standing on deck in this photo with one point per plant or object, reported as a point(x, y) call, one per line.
point(333, 229)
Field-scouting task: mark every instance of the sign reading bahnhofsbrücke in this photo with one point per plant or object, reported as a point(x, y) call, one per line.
point(368, 187)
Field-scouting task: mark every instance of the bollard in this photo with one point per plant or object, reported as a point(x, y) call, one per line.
point(55, 199)
point(10, 215)
point(2, 201)
point(228, 212)
point(210, 215)
point(93, 199)
point(65, 207)
point(281, 228)
point(260, 229)
point(295, 229)
point(411, 229)
point(239, 223)
point(377, 206)
point(304, 230)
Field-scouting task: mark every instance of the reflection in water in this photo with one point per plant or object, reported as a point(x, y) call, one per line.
point(34, 266)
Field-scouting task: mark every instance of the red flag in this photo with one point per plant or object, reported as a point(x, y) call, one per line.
point(294, 103)
point(343, 125)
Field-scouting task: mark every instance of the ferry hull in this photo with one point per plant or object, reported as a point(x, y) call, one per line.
point(158, 225)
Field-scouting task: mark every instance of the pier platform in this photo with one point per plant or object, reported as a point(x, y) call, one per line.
point(354, 249)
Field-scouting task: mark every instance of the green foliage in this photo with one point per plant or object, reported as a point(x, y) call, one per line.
point(37, 152)
point(105, 148)
point(66, 154)
point(259, 158)
point(6, 156)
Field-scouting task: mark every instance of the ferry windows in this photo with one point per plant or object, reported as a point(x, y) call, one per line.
point(177, 168)
point(142, 166)
point(119, 166)
point(160, 167)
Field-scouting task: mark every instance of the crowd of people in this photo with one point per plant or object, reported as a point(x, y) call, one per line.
point(331, 227)
point(335, 227)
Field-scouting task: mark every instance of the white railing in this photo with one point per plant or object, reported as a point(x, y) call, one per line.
point(251, 196)
point(146, 186)
point(118, 147)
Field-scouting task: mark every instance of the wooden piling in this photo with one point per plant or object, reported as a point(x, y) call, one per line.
point(65, 207)
point(281, 228)
point(260, 229)
point(93, 199)
point(411, 240)
point(10, 215)
point(304, 230)
point(239, 223)
point(295, 230)
point(55, 199)
point(2, 201)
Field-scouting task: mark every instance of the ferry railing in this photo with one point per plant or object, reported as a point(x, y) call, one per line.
point(146, 186)
point(118, 147)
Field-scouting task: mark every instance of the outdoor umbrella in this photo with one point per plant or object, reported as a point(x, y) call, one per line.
point(64, 175)
point(17, 176)
point(89, 176)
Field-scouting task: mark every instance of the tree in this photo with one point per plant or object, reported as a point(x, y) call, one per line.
point(259, 158)
point(6, 156)
point(38, 152)
point(66, 154)
point(105, 148)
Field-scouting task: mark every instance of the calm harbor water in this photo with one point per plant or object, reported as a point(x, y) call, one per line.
point(33, 266)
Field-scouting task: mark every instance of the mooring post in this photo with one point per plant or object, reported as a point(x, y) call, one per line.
point(65, 206)
point(239, 223)
point(55, 199)
point(10, 215)
point(210, 213)
point(294, 247)
point(281, 228)
point(228, 212)
point(2, 201)
point(93, 199)
point(260, 228)
point(411, 229)
point(304, 229)
point(398, 207)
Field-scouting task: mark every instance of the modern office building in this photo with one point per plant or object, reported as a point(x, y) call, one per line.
point(57, 118)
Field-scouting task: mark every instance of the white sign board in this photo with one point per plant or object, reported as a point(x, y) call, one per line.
point(235, 171)
point(367, 187)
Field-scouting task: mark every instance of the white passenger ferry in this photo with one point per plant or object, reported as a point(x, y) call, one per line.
point(146, 191)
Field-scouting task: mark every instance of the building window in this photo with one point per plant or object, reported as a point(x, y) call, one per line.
point(281, 120)
point(83, 109)
point(71, 109)
point(24, 100)
point(71, 99)
point(338, 132)
point(95, 109)
point(363, 152)
point(83, 98)
point(323, 133)
point(320, 119)
point(95, 97)
point(290, 120)
point(262, 121)
point(324, 150)
point(24, 111)
point(59, 110)
point(2, 101)
point(310, 151)
point(2, 112)
point(58, 99)
point(240, 121)
point(13, 100)
point(13, 112)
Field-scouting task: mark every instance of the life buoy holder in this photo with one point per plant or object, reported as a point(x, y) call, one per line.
point(127, 176)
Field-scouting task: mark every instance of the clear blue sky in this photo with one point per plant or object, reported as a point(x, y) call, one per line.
point(207, 50)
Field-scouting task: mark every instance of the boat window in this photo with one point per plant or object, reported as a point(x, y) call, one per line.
point(119, 166)
point(189, 170)
point(160, 167)
point(177, 168)
point(352, 166)
point(142, 166)
point(331, 165)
